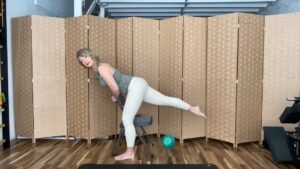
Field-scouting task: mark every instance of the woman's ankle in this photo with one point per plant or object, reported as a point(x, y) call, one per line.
point(192, 109)
point(130, 150)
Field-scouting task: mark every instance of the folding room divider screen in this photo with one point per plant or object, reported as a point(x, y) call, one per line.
point(56, 96)
point(39, 76)
point(194, 74)
point(77, 78)
point(281, 66)
point(91, 114)
point(182, 74)
point(135, 46)
point(102, 40)
point(234, 77)
point(146, 61)
point(170, 50)
point(124, 51)
point(22, 61)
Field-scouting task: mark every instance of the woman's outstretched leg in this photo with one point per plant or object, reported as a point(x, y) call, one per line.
point(134, 99)
point(152, 96)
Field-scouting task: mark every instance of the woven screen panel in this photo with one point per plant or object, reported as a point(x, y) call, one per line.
point(221, 77)
point(102, 40)
point(194, 74)
point(170, 73)
point(77, 78)
point(49, 80)
point(124, 45)
point(124, 51)
point(250, 70)
point(145, 61)
point(22, 74)
point(281, 66)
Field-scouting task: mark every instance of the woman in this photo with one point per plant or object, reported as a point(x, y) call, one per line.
point(135, 90)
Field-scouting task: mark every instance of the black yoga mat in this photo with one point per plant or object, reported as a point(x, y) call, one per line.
point(148, 166)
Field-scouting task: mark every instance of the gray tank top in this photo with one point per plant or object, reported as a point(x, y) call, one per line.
point(121, 79)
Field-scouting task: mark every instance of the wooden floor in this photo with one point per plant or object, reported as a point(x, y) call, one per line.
point(73, 153)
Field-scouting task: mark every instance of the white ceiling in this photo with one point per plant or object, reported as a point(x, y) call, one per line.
point(160, 9)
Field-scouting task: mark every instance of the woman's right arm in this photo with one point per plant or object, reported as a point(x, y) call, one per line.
point(105, 72)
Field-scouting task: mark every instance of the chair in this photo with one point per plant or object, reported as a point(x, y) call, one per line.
point(140, 121)
point(285, 146)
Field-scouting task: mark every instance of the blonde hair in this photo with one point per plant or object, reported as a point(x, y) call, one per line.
point(87, 52)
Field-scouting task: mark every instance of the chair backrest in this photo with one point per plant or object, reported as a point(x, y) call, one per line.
point(291, 114)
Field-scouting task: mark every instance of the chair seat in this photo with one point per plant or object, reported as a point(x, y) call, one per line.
point(140, 121)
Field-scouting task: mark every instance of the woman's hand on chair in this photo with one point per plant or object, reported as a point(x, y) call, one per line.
point(113, 98)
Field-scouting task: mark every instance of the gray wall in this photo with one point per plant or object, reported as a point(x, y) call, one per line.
point(282, 6)
point(16, 8)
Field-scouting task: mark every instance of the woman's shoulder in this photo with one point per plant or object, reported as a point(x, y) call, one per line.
point(106, 67)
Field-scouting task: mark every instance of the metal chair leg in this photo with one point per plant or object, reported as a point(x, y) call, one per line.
point(120, 140)
point(140, 137)
point(145, 134)
point(148, 138)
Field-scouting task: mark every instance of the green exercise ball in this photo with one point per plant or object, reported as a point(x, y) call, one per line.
point(168, 141)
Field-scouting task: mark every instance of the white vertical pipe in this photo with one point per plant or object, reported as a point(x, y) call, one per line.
point(77, 7)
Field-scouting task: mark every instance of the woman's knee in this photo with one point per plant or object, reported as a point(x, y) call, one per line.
point(127, 121)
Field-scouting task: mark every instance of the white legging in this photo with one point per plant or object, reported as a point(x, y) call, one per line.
point(139, 91)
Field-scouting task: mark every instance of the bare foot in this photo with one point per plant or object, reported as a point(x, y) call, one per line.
point(125, 156)
point(196, 110)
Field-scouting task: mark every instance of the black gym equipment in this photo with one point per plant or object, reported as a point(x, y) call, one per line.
point(283, 145)
point(147, 166)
